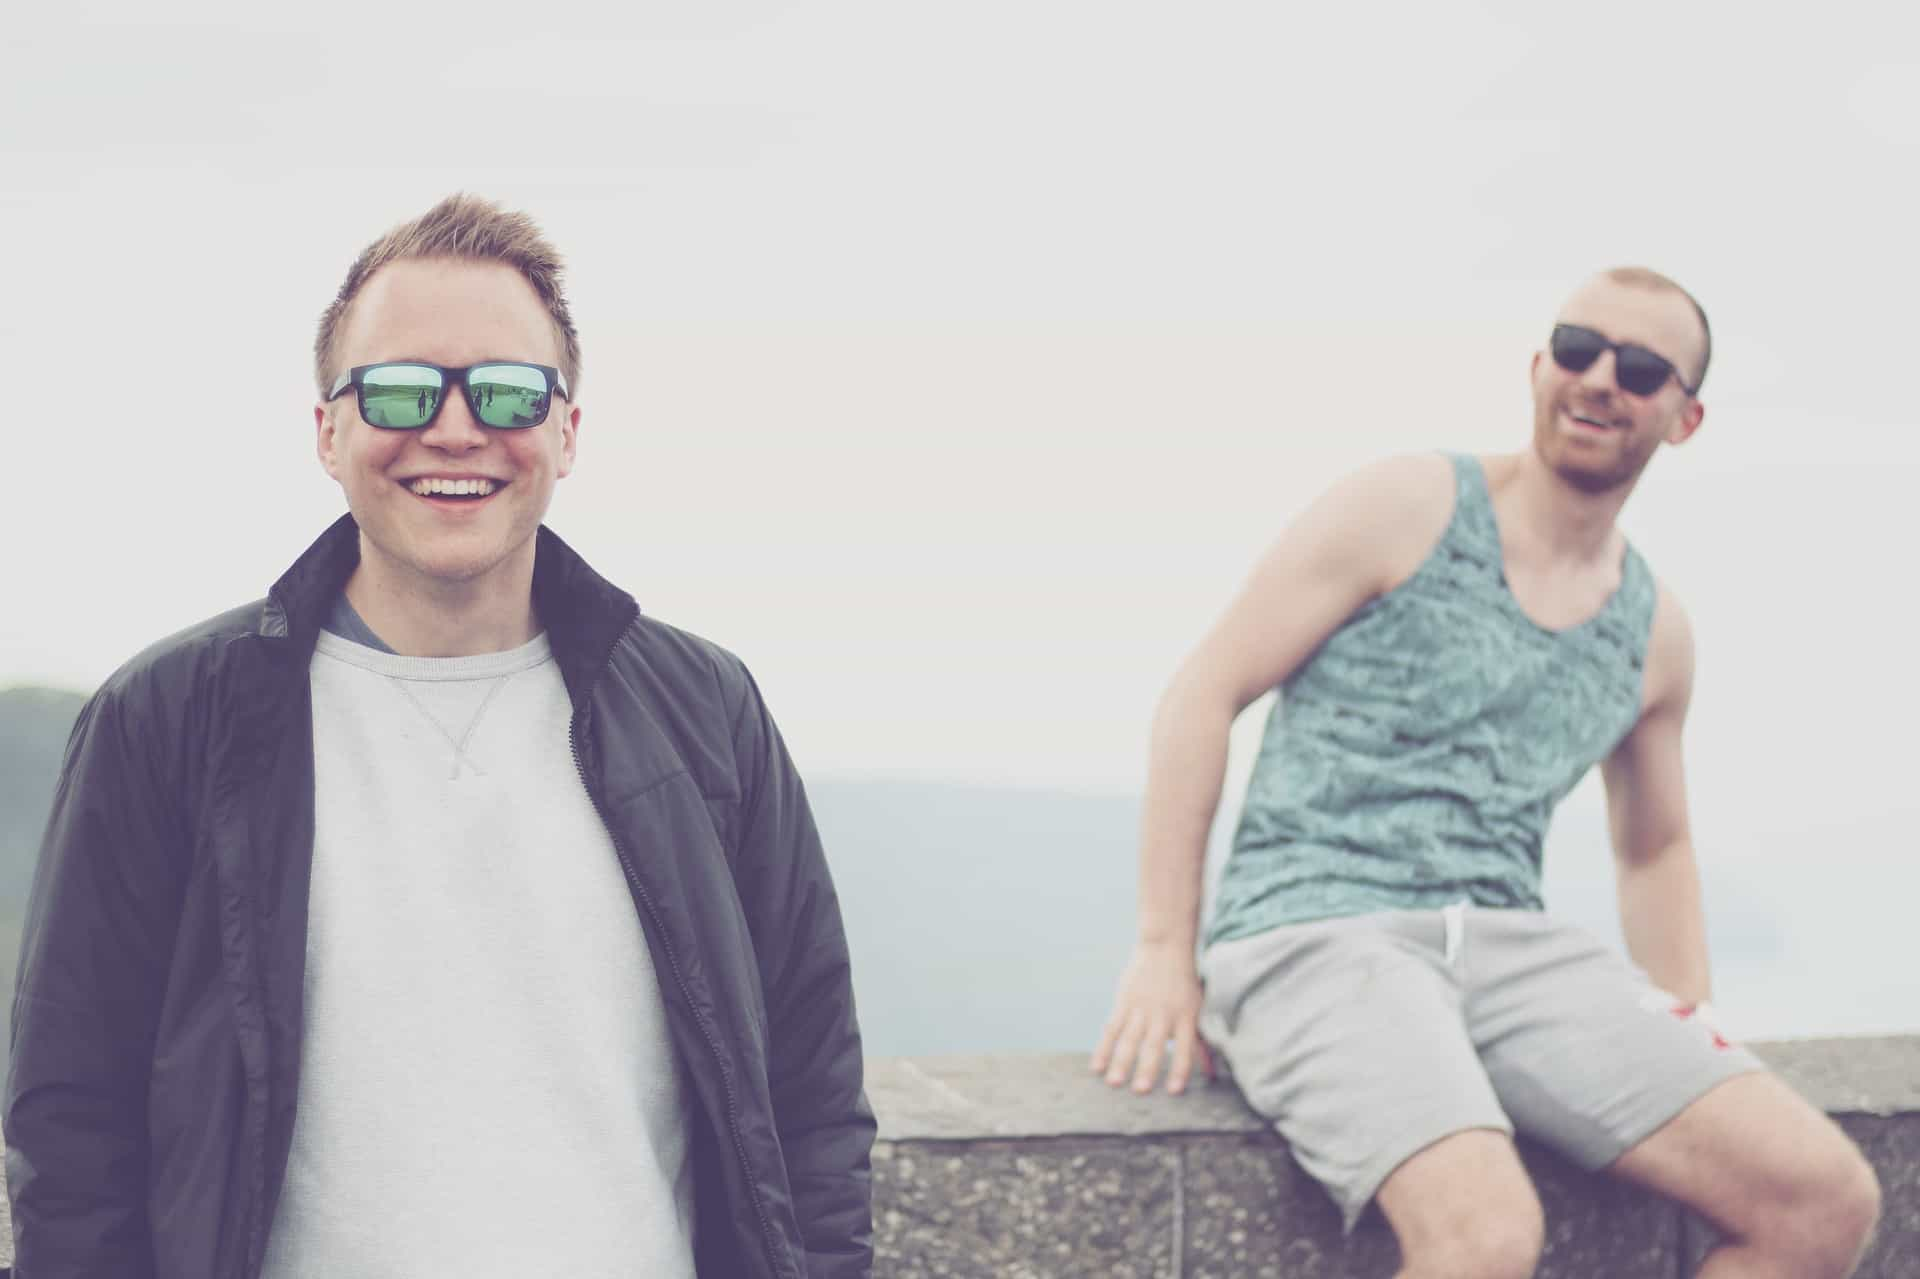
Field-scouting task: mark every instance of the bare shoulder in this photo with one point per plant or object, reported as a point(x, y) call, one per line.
point(1387, 516)
point(1360, 538)
point(1401, 481)
point(1669, 668)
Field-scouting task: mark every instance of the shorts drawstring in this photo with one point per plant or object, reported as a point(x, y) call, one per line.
point(1455, 919)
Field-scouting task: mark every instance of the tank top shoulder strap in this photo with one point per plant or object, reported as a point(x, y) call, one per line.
point(1638, 589)
point(1472, 524)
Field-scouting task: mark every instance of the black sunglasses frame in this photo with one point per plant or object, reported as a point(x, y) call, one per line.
point(356, 378)
point(1607, 344)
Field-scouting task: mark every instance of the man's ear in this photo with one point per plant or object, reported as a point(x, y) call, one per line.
point(569, 436)
point(1688, 422)
point(323, 439)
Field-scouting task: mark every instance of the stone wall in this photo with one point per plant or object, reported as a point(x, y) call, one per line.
point(1031, 1168)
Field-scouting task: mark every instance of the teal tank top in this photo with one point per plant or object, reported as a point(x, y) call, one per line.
point(1415, 758)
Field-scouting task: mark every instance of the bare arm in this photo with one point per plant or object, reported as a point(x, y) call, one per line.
point(1358, 540)
point(1659, 883)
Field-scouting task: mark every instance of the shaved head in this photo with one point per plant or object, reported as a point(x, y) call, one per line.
point(1640, 277)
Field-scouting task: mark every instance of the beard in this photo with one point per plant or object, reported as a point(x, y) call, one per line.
point(1594, 471)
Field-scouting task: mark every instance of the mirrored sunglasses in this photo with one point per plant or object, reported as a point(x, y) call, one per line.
point(406, 395)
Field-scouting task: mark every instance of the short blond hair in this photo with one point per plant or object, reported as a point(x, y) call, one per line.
point(1647, 278)
point(460, 226)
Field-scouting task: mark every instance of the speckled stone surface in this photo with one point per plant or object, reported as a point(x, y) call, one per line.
point(1851, 1075)
point(1892, 1146)
point(1238, 1204)
point(1252, 1214)
point(1598, 1226)
point(1055, 1095)
point(1030, 1168)
point(1095, 1209)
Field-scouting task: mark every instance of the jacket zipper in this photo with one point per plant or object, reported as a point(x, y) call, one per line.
point(673, 962)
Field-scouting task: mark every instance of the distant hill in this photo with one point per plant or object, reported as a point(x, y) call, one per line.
point(34, 723)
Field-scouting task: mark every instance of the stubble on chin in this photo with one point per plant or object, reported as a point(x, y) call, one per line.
point(1595, 478)
point(1592, 483)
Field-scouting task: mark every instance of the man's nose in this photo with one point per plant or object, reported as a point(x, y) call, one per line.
point(454, 428)
point(1600, 375)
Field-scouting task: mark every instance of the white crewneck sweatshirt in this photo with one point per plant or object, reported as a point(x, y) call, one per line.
point(487, 1086)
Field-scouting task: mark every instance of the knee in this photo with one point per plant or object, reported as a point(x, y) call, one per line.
point(1497, 1242)
point(1850, 1208)
point(1827, 1226)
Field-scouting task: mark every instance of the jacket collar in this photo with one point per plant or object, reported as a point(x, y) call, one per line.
point(584, 614)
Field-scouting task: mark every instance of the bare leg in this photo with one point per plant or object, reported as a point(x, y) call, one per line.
point(1463, 1208)
point(1792, 1195)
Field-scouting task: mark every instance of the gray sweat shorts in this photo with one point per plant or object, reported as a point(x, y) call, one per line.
point(1366, 1039)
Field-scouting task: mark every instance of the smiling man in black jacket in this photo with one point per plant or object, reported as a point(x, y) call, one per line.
point(439, 914)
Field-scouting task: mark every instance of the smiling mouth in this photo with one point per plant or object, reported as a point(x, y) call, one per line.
point(1591, 423)
point(471, 490)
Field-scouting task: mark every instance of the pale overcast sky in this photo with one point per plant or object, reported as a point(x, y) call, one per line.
point(953, 363)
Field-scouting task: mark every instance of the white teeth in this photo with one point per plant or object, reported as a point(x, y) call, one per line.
point(428, 485)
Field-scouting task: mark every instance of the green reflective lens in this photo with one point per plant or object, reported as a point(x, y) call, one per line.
point(399, 396)
point(508, 395)
point(406, 396)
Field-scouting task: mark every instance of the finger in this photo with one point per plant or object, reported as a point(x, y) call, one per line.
point(1108, 1034)
point(1152, 1052)
point(1122, 1063)
point(1182, 1069)
point(1206, 1058)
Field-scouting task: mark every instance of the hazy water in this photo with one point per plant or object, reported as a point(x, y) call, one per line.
point(1817, 934)
point(989, 920)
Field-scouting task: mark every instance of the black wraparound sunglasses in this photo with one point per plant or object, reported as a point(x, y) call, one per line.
point(406, 395)
point(1637, 370)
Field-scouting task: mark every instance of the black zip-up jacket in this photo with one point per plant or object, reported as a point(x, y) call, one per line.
point(157, 1020)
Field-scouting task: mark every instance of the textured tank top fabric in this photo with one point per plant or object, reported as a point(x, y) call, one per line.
point(1415, 759)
